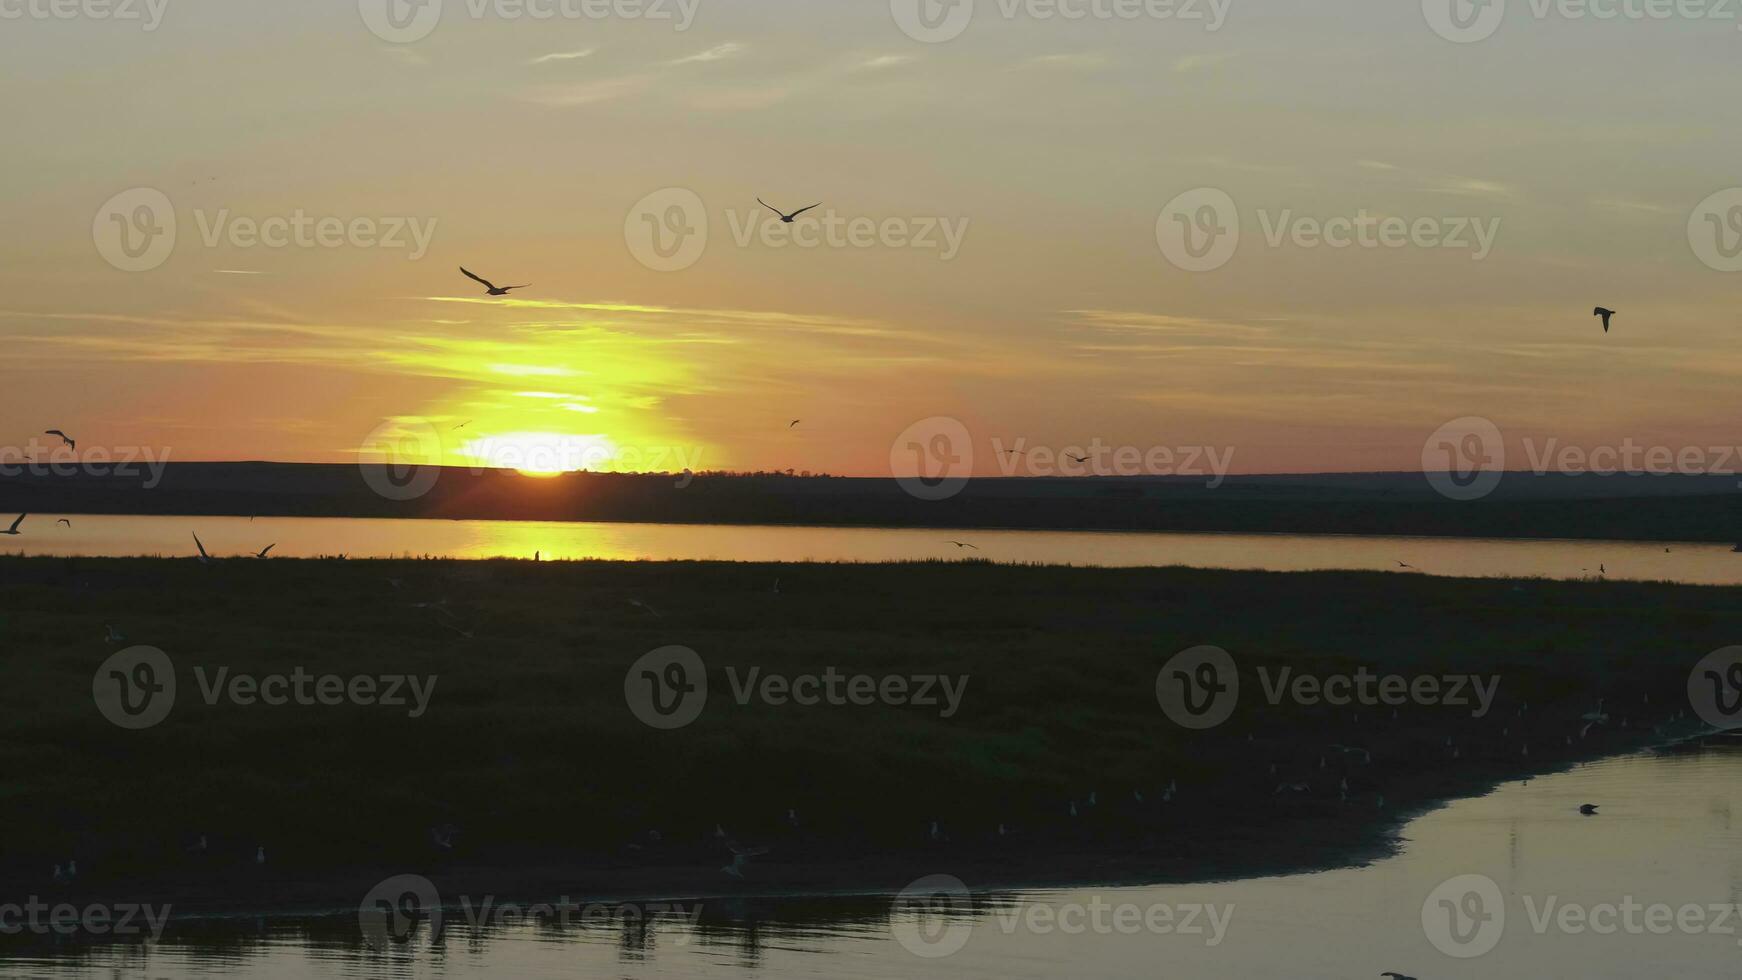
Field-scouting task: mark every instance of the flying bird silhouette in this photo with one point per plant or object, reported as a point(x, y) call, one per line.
point(795, 423)
point(1606, 314)
point(1588, 809)
point(264, 550)
point(494, 289)
point(14, 529)
point(64, 521)
point(205, 559)
point(63, 437)
point(964, 546)
point(787, 218)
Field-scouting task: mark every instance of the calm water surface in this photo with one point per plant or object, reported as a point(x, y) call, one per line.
point(173, 536)
point(1668, 835)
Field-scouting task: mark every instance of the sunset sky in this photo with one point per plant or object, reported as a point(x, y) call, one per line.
point(1059, 320)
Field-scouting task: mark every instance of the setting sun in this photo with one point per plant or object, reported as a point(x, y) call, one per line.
point(543, 453)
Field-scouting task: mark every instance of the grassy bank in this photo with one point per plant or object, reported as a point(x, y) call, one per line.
point(529, 748)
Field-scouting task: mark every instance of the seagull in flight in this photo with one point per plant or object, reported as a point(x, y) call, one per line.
point(1078, 459)
point(14, 529)
point(63, 437)
point(494, 289)
point(465, 423)
point(795, 423)
point(264, 550)
point(1396, 976)
point(1606, 314)
point(963, 545)
point(787, 218)
point(1402, 564)
point(1589, 809)
point(64, 521)
point(205, 559)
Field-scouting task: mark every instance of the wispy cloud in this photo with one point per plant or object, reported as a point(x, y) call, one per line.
point(717, 53)
point(1082, 61)
point(563, 56)
point(588, 93)
point(1198, 62)
point(406, 56)
point(884, 61)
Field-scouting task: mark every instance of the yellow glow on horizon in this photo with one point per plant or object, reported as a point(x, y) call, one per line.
point(543, 453)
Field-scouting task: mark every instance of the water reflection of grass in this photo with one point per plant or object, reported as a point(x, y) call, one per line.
point(528, 744)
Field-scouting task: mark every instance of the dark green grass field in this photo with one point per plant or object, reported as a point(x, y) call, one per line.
point(528, 745)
